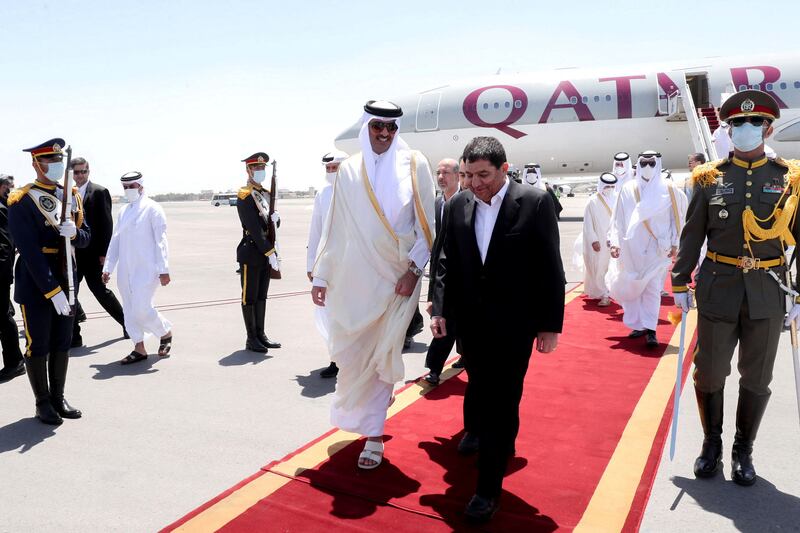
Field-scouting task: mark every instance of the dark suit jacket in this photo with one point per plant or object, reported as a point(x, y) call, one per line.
point(519, 291)
point(6, 247)
point(437, 244)
point(97, 213)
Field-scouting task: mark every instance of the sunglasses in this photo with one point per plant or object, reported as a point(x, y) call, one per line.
point(80, 171)
point(755, 121)
point(378, 126)
point(647, 163)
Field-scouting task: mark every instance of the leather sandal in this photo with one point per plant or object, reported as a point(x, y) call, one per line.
point(165, 346)
point(373, 451)
point(133, 357)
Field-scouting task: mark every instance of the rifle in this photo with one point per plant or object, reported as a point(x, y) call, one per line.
point(66, 214)
point(272, 234)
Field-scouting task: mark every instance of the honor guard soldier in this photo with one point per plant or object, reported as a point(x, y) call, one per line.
point(745, 206)
point(41, 279)
point(256, 251)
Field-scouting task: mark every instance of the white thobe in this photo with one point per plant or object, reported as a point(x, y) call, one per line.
point(643, 257)
point(365, 249)
point(138, 251)
point(596, 223)
point(322, 203)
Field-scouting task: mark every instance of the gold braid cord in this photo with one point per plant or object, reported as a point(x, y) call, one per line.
point(707, 173)
point(783, 219)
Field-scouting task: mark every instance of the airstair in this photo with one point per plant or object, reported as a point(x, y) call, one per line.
point(678, 106)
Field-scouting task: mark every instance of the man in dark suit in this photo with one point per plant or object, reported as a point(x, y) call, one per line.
point(97, 209)
point(447, 179)
point(9, 334)
point(493, 232)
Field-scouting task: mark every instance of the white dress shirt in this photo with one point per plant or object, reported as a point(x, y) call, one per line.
point(486, 217)
point(82, 189)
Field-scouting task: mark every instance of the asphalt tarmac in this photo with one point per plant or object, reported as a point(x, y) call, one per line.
point(161, 437)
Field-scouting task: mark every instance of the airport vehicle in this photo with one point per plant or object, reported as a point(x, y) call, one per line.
point(227, 198)
point(571, 121)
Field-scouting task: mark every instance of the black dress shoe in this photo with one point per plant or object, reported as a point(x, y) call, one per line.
point(9, 373)
point(64, 409)
point(651, 341)
point(330, 372)
point(269, 343)
point(459, 363)
point(77, 341)
point(432, 378)
point(469, 444)
point(480, 509)
point(742, 470)
point(635, 334)
point(254, 345)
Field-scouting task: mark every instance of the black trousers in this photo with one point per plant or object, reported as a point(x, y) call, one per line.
point(89, 269)
point(496, 372)
point(438, 350)
point(45, 330)
point(255, 282)
point(9, 334)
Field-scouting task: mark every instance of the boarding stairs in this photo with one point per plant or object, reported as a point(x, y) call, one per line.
point(678, 106)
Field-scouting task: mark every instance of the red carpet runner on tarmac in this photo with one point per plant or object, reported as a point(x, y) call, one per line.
point(594, 419)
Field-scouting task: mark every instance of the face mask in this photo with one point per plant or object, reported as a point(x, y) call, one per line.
point(55, 171)
point(330, 176)
point(259, 176)
point(747, 137)
point(647, 172)
point(607, 191)
point(132, 194)
point(619, 171)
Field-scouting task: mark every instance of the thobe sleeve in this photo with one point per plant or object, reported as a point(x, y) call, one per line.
point(617, 227)
point(112, 252)
point(314, 232)
point(420, 253)
point(692, 238)
point(589, 233)
point(158, 224)
point(331, 242)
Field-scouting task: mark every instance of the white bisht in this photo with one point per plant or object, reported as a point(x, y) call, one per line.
point(646, 223)
point(375, 225)
point(139, 252)
point(596, 224)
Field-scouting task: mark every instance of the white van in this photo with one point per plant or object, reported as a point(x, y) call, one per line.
point(227, 198)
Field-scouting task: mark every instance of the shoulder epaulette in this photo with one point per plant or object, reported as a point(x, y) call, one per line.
point(17, 194)
point(792, 166)
point(244, 192)
point(707, 173)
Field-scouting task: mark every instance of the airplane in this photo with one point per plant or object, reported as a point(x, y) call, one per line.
point(572, 121)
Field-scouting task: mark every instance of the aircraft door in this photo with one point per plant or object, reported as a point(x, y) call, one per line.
point(428, 111)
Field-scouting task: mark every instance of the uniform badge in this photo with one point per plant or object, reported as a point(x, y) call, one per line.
point(723, 214)
point(747, 106)
point(48, 204)
point(724, 189)
point(56, 148)
point(773, 188)
point(261, 159)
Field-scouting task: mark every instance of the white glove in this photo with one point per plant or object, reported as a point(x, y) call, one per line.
point(794, 312)
point(67, 229)
point(60, 302)
point(683, 300)
point(274, 217)
point(273, 262)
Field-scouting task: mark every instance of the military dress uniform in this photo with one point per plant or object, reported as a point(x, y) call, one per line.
point(39, 276)
point(253, 255)
point(738, 300)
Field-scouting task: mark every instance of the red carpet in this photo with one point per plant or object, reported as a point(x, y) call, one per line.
point(577, 403)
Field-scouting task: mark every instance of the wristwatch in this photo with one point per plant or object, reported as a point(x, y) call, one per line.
point(414, 269)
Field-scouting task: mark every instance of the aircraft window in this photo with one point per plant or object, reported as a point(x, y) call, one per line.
point(517, 104)
point(596, 98)
point(608, 98)
point(486, 106)
point(783, 85)
point(757, 86)
point(768, 86)
point(496, 105)
point(742, 87)
point(573, 100)
point(585, 99)
point(797, 85)
point(507, 104)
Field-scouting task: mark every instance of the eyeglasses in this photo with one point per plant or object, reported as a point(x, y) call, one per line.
point(81, 171)
point(755, 121)
point(378, 126)
point(647, 162)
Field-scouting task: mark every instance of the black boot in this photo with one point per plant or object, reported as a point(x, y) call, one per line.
point(261, 309)
point(58, 378)
point(37, 374)
point(710, 406)
point(253, 343)
point(748, 417)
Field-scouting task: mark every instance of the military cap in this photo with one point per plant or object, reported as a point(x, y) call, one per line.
point(621, 156)
point(257, 158)
point(131, 176)
point(51, 147)
point(383, 109)
point(608, 178)
point(750, 103)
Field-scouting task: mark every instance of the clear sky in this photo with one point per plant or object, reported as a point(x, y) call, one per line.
point(183, 90)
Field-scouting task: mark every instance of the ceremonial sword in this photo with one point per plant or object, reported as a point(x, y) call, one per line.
point(677, 395)
point(66, 214)
point(791, 294)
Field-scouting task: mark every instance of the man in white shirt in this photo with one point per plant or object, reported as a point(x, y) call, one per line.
point(376, 240)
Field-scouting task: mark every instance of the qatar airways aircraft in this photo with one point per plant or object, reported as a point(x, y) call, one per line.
point(572, 121)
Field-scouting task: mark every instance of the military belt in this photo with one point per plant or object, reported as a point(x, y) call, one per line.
point(49, 250)
point(746, 263)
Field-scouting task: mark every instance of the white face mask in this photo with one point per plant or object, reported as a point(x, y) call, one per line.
point(259, 176)
point(619, 171)
point(55, 171)
point(647, 172)
point(330, 176)
point(607, 191)
point(747, 137)
point(132, 194)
